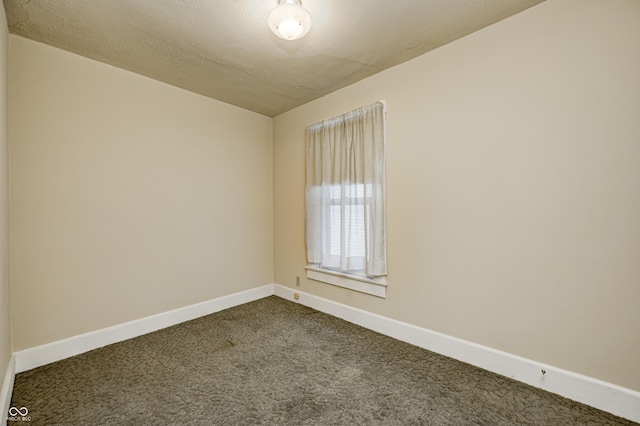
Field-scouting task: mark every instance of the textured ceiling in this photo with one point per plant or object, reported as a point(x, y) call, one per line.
point(223, 49)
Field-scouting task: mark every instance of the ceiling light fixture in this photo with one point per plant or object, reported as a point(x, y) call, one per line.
point(289, 20)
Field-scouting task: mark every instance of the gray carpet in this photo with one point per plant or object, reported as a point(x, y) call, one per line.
point(275, 362)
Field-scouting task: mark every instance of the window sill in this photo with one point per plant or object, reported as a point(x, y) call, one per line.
point(375, 287)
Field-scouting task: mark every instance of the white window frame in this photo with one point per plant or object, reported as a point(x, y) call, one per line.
point(369, 285)
point(353, 280)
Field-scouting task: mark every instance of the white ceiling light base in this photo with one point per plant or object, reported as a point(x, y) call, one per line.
point(289, 20)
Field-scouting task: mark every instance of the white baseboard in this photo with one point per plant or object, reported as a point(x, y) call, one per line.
point(7, 390)
point(605, 396)
point(40, 355)
point(596, 393)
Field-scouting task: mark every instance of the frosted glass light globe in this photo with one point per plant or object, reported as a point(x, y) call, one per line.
point(289, 20)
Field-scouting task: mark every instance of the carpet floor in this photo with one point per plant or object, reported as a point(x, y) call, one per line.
point(275, 362)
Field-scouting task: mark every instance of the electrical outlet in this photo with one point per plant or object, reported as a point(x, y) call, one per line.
point(298, 281)
point(296, 296)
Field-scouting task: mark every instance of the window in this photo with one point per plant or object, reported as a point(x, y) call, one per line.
point(345, 227)
point(349, 211)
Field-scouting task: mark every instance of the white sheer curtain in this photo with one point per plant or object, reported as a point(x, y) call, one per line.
point(345, 157)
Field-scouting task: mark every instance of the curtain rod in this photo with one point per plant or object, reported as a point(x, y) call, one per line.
point(384, 111)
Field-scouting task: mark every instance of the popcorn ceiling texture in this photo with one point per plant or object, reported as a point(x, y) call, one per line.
point(275, 362)
point(225, 50)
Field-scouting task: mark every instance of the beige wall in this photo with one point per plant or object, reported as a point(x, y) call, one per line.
point(513, 188)
point(128, 197)
point(513, 191)
point(5, 319)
